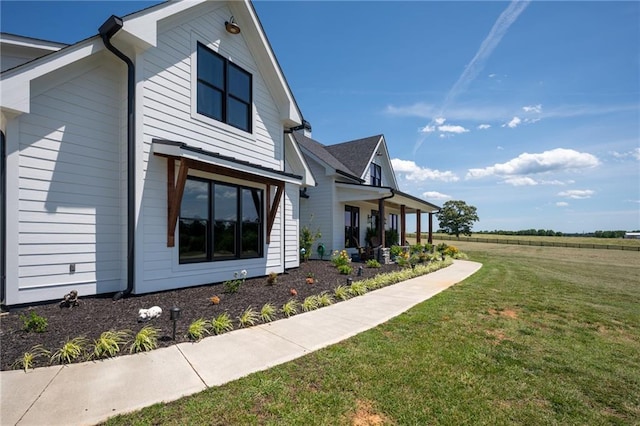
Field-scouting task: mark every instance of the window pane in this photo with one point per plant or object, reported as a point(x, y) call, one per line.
point(251, 222)
point(210, 67)
point(193, 240)
point(225, 214)
point(238, 114)
point(224, 238)
point(195, 200)
point(239, 84)
point(209, 101)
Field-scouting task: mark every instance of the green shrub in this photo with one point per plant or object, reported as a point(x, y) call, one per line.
point(358, 288)
point(34, 322)
point(70, 351)
point(197, 329)
point(222, 324)
point(248, 317)
point(345, 269)
point(307, 238)
point(372, 263)
point(325, 299)
point(272, 278)
point(268, 312)
point(109, 343)
point(310, 303)
point(341, 292)
point(27, 360)
point(395, 251)
point(290, 308)
point(232, 286)
point(145, 340)
point(340, 258)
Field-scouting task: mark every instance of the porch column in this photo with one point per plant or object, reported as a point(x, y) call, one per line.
point(381, 224)
point(430, 240)
point(403, 227)
point(418, 229)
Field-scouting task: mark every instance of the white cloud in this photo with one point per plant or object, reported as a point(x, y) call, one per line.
point(434, 195)
point(448, 128)
point(634, 153)
point(520, 181)
point(439, 121)
point(443, 128)
point(515, 121)
point(562, 204)
point(547, 161)
point(413, 172)
point(484, 126)
point(492, 75)
point(500, 148)
point(577, 194)
point(533, 108)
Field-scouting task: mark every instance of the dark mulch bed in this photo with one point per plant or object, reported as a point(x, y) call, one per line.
point(98, 314)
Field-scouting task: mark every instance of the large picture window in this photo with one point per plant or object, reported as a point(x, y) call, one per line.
point(223, 90)
point(351, 226)
point(220, 221)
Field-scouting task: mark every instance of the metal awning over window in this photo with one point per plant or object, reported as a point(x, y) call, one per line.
point(192, 158)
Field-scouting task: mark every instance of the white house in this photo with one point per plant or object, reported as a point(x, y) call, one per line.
point(357, 190)
point(154, 155)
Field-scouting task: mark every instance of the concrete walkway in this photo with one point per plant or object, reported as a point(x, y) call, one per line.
point(91, 392)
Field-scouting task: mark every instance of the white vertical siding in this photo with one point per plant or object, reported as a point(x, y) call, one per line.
point(317, 212)
point(292, 223)
point(69, 184)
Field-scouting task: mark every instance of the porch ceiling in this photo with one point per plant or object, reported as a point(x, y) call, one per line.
point(357, 192)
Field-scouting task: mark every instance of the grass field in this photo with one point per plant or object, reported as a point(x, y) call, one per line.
point(539, 335)
point(536, 240)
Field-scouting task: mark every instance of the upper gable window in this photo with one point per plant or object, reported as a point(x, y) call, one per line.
point(376, 174)
point(224, 90)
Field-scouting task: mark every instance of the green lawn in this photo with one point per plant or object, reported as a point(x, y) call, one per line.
point(540, 335)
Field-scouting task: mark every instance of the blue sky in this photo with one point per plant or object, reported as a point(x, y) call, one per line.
point(527, 110)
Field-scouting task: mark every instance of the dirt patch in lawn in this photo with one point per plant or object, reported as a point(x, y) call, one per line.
point(366, 415)
point(509, 313)
point(98, 314)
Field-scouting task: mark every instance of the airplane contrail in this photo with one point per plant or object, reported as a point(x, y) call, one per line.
point(476, 65)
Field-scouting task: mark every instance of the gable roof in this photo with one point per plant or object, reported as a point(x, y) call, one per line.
point(140, 31)
point(320, 151)
point(356, 154)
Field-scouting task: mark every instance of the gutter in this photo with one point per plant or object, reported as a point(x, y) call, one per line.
point(3, 215)
point(107, 30)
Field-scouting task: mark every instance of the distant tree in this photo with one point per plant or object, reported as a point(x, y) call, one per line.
point(456, 217)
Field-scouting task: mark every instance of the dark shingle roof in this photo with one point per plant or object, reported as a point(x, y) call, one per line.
point(355, 154)
point(320, 151)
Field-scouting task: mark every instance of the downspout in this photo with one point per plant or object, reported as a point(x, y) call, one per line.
point(3, 215)
point(107, 30)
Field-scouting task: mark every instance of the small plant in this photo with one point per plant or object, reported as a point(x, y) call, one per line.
point(109, 343)
point(451, 251)
point(358, 288)
point(145, 340)
point(441, 247)
point(268, 312)
point(197, 329)
point(341, 292)
point(310, 303)
point(27, 360)
point(325, 299)
point(272, 278)
point(214, 300)
point(310, 278)
point(307, 238)
point(70, 351)
point(248, 317)
point(395, 251)
point(232, 286)
point(416, 248)
point(34, 322)
point(290, 308)
point(222, 324)
point(372, 263)
point(345, 269)
point(340, 258)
